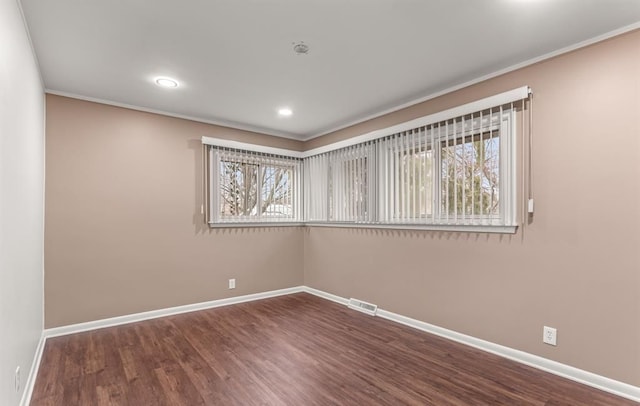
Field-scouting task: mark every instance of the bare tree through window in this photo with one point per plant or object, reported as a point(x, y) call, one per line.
point(471, 175)
point(252, 189)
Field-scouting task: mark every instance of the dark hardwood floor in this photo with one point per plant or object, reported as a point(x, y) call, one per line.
point(289, 350)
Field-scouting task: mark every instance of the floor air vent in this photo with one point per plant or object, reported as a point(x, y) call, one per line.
point(363, 307)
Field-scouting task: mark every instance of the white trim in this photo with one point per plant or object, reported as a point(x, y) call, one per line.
point(252, 224)
point(464, 109)
point(587, 378)
point(326, 295)
point(132, 318)
point(219, 123)
point(154, 314)
point(33, 372)
point(480, 79)
point(244, 146)
point(566, 371)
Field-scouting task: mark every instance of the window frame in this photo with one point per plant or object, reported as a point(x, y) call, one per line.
point(390, 212)
point(506, 129)
point(262, 161)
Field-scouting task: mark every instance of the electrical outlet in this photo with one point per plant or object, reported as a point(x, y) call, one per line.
point(232, 283)
point(17, 379)
point(549, 335)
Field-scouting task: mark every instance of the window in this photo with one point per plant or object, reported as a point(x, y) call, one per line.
point(338, 185)
point(451, 173)
point(349, 185)
point(250, 187)
point(453, 170)
point(406, 181)
point(470, 176)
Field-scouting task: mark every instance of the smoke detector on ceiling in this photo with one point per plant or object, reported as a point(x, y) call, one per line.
point(300, 48)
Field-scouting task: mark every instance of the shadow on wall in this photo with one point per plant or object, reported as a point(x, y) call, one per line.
point(198, 187)
point(433, 235)
point(248, 230)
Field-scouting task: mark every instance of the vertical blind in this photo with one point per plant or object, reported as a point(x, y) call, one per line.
point(450, 169)
point(458, 171)
point(338, 185)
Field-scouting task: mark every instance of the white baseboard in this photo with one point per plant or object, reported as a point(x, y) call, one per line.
point(588, 378)
point(575, 374)
point(33, 372)
point(325, 295)
point(132, 318)
point(154, 314)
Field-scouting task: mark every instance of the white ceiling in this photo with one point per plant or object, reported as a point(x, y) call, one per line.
point(235, 63)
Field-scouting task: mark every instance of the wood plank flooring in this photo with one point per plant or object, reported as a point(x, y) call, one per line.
point(289, 350)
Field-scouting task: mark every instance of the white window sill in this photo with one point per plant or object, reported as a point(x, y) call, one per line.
point(249, 224)
point(417, 227)
point(423, 227)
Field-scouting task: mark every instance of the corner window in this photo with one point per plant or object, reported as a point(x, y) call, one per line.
point(452, 170)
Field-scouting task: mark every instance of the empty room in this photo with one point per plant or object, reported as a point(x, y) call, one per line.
point(319, 202)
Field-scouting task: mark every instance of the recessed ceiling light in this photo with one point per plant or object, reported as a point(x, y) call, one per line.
point(285, 112)
point(166, 82)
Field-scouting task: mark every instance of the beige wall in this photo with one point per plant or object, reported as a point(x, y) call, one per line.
point(123, 229)
point(576, 267)
point(124, 234)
